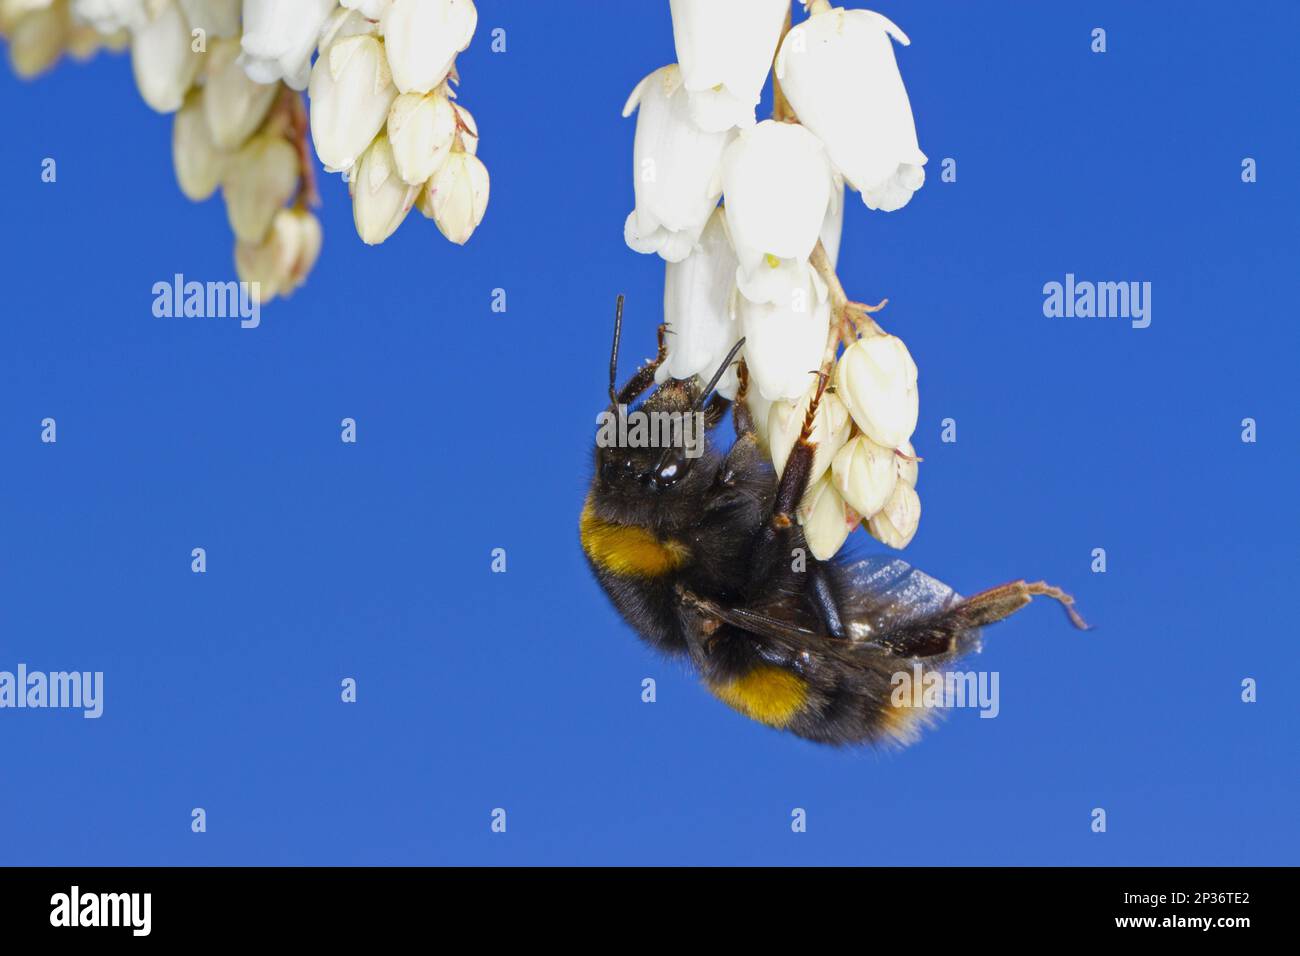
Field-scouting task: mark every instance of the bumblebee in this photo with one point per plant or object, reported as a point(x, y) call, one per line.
point(700, 552)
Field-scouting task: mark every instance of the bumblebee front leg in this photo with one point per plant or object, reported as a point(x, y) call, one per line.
point(644, 377)
point(772, 547)
point(741, 417)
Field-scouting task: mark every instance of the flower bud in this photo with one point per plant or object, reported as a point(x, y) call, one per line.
point(876, 378)
point(198, 163)
point(380, 200)
point(457, 196)
point(162, 59)
point(233, 105)
point(864, 474)
point(421, 130)
point(896, 523)
point(261, 178)
point(351, 92)
point(907, 464)
point(423, 38)
point(468, 129)
point(280, 263)
point(37, 40)
point(825, 518)
point(831, 427)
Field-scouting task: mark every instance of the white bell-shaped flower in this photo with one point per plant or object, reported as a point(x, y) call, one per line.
point(260, 178)
point(896, 523)
point(826, 519)
point(279, 38)
point(785, 341)
point(777, 183)
point(162, 59)
point(199, 164)
point(864, 474)
point(839, 73)
point(457, 196)
point(697, 309)
point(233, 104)
point(351, 93)
point(831, 428)
point(423, 38)
point(675, 168)
point(725, 49)
point(422, 130)
point(380, 199)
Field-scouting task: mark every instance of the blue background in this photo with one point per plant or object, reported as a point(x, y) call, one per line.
point(522, 690)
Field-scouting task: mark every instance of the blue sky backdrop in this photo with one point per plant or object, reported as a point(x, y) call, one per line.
point(522, 690)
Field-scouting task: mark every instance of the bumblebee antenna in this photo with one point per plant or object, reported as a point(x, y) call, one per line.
point(613, 354)
point(717, 376)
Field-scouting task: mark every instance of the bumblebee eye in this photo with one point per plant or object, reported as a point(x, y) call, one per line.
point(669, 471)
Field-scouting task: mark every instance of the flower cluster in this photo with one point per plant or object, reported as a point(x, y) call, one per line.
point(381, 108)
point(747, 216)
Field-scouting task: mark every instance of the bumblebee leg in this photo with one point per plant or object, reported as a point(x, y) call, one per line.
point(822, 597)
point(644, 377)
point(943, 633)
point(754, 621)
point(715, 411)
point(771, 546)
point(741, 417)
point(1001, 602)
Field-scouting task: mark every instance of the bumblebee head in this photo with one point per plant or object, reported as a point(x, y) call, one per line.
point(651, 450)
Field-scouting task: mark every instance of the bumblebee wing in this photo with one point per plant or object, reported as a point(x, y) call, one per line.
point(893, 605)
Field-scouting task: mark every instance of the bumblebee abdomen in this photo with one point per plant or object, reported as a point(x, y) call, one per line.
point(628, 550)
